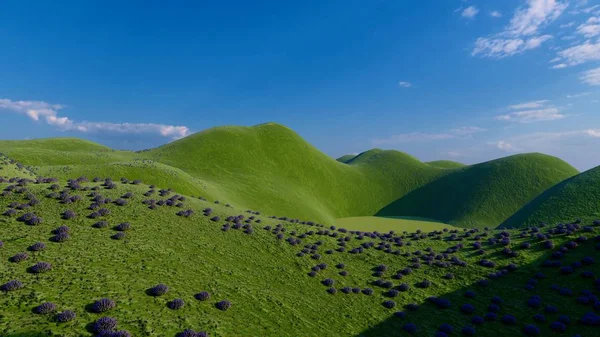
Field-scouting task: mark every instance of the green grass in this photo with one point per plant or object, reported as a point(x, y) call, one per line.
point(267, 283)
point(446, 164)
point(577, 197)
point(268, 166)
point(484, 194)
point(346, 158)
point(383, 224)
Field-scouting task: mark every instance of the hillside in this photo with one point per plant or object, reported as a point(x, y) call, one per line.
point(484, 194)
point(345, 158)
point(574, 198)
point(266, 269)
point(445, 164)
point(271, 167)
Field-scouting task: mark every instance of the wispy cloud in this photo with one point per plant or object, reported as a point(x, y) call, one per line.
point(504, 146)
point(591, 77)
point(528, 105)
point(581, 94)
point(590, 28)
point(469, 12)
point(405, 84)
point(531, 116)
point(582, 53)
point(44, 111)
point(522, 33)
point(411, 137)
point(567, 25)
point(495, 14)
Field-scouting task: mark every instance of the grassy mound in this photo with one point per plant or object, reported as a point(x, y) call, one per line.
point(345, 158)
point(445, 164)
point(484, 194)
point(577, 197)
point(268, 274)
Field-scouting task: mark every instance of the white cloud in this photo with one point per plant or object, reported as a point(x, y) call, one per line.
point(467, 130)
point(582, 53)
point(411, 137)
point(591, 77)
point(591, 9)
point(581, 94)
point(37, 110)
point(522, 32)
point(470, 12)
point(495, 14)
point(502, 47)
point(528, 20)
point(528, 105)
point(533, 111)
point(504, 146)
point(405, 84)
point(590, 28)
point(567, 25)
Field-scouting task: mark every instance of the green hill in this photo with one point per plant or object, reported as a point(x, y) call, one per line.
point(445, 164)
point(484, 194)
point(345, 158)
point(574, 198)
point(269, 166)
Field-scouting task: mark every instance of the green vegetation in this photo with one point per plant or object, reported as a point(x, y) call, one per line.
point(345, 158)
point(383, 224)
point(446, 164)
point(484, 194)
point(268, 166)
point(574, 198)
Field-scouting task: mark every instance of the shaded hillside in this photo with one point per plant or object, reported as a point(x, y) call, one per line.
point(484, 194)
point(574, 198)
point(346, 158)
point(445, 164)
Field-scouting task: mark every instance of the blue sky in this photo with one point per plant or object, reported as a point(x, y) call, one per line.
point(460, 80)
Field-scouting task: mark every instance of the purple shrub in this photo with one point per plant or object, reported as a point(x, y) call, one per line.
point(332, 291)
point(477, 320)
point(120, 202)
point(468, 331)
point(69, 214)
point(66, 316)
point(45, 308)
point(103, 305)
point(100, 224)
point(531, 330)
point(223, 305)
point(490, 316)
point(389, 304)
point(19, 257)
point(176, 304)
point(105, 324)
point(367, 291)
point(558, 326)
point(202, 296)
point(124, 226)
point(509, 319)
point(467, 308)
point(36, 247)
point(539, 318)
point(41, 267)
point(118, 236)
point(60, 237)
point(410, 328)
point(158, 290)
point(328, 282)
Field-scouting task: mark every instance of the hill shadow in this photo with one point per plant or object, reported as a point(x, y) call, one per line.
point(511, 289)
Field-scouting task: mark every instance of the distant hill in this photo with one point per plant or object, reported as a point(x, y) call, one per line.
point(345, 158)
point(445, 164)
point(484, 194)
point(574, 198)
point(269, 166)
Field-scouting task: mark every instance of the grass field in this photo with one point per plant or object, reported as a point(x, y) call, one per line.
point(268, 166)
point(263, 277)
point(383, 224)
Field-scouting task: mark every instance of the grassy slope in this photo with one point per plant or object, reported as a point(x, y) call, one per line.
point(279, 172)
point(484, 194)
point(261, 276)
point(269, 166)
point(345, 158)
point(577, 197)
point(381, 224)
point(446, 164)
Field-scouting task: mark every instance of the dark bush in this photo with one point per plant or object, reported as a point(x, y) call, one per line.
point(36, 247)
point(19, 257)
point(41, 267)
point(118, 236)
point(509, 319)
point(100, 224)
point(468, 331)
point(105, 324)
point(176, 304)
point(467, 308)
point(389, 304)
point(103, 305)
point(45, 308)
point(223, 305)
point(124, 226)
point(69, 214)
point(367, 291)
point(66, 316)
point(158, 290)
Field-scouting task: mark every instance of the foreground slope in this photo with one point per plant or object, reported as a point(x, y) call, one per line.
point(484, 194)
point(281, 277)
point(577, 197)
